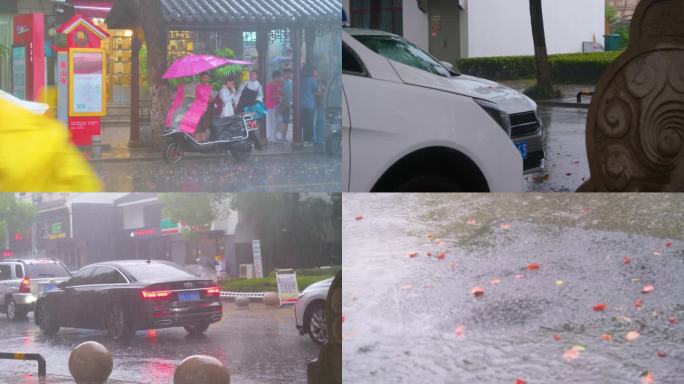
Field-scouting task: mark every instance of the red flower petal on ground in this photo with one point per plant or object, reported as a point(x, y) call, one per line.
point(520, 381)
point(557, 337)
point(638, 303)
point(413, 254)
point(459, 331)
point(661, 354)
point(494, 281)
point(359, 217)
point(571, 354)
point(626, 260)
point(472, 222)
point(453, 265)
point(533, 266)
point(477, 291)
point(607, 337)
point(647, 378)
point(429, 254)
point(599, 307)
point(673, 320)
point(668, 244)
point(441, 255)
point(647, 288)
point(632, 335)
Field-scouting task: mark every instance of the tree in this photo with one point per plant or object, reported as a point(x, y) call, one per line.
point(194, 209)
point(14, 216)
point(156, 39)
point(544, 87)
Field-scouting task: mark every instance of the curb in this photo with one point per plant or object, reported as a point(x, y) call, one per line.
point(199, 157)
point(561, 104)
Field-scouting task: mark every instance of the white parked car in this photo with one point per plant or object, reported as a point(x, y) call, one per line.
point(310, 311)
point(411, 124)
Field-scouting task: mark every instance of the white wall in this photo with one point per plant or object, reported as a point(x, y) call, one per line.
point(415, 25)
point(133, 217)
point(502, 27)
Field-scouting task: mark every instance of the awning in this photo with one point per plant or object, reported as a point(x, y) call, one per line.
point(92, 9)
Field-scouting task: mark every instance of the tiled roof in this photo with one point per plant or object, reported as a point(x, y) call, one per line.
point(251, 12)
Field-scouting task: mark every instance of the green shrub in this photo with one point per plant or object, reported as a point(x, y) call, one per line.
point(269, 283)
point(575, 68)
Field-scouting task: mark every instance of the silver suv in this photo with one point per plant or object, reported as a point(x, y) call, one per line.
point(22, 282)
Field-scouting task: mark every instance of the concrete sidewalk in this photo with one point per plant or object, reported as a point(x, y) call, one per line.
point(122, 152)
point(568, 92)
point(28, 378)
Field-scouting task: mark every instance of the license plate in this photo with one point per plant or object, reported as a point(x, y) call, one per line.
point(188, 296)
point(49, 287)
point(522, 148)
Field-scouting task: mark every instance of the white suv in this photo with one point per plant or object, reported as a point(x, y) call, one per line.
point(410, 124)
point(310, 311)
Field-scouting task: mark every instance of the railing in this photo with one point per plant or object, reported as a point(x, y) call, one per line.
point(251, 295)
point(42, 369)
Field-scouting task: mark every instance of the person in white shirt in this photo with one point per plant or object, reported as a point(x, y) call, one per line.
point(248, 90)
point(229, 98)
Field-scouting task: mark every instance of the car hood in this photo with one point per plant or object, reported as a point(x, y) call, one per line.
point(321, 285)
point(510, 100)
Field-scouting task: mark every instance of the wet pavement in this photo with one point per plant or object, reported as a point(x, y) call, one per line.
point(259, 345)
point(273, 173)
point(566, 164)
point(545, 263)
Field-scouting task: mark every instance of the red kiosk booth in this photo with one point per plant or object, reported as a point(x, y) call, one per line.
point(28, 56)
point(83, 70)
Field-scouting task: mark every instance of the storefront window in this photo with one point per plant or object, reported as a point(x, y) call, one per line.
point(385, 15)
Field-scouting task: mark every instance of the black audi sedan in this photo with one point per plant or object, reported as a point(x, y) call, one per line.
point(123, 297)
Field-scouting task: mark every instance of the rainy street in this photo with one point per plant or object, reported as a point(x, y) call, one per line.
point(309, 173)
point(500, 288)
point(566, 165)
point(258, 345)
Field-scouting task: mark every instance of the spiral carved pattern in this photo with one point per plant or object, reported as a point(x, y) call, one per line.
point(635, 130)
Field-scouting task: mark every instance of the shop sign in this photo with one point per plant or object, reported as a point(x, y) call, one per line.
point(144, 232)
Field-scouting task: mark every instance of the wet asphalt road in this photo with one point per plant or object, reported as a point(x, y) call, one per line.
point(566, 165)
point(414, 319)
point(259, 345)
point(273, 173)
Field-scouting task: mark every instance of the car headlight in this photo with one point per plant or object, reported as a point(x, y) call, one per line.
point(497, 114)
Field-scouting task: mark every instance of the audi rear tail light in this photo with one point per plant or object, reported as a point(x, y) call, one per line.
point(213, 291)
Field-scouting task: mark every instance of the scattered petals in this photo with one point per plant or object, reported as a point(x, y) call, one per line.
point(453, 265)
point(560, 282)
point(607, 337)
point(533, 266)
point(413, 254)
point(429, 254)
point(557, 337)
point(661, 354)
point(647, 288)
point(647, 378)
point(459, 331)
point(638, 303)
point(599, 307)
point(520, 381)
point(438, 241)
point(407, 286)
point(572, 354)
point(668, 244)
point(519, 276)
point(472, 222)
point(624, 318)
point(657, 253)
point(626, 260)
point(359, 217)
point(586, 210)
point(632, 335)
point(441, 255)
point(505, 226)
point(477, 291)
point(494, 281)
point(673, 320)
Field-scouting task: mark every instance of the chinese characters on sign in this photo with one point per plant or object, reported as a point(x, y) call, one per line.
point(287, 286)
point(256, 252)
point(87, 82)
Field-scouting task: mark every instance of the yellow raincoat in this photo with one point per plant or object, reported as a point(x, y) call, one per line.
point(37, 156)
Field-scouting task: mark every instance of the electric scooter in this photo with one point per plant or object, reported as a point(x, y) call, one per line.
point(228, 134)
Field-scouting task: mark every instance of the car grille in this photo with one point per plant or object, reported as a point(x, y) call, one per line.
point(523, 124)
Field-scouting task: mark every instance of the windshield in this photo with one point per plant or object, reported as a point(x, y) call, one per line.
point(397, 49)
point(154, 272)
point(38, 270)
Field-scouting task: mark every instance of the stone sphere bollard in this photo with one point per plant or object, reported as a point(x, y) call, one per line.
point(271, 298)
point(90, 363)
point(242, 301)
point(200, 369)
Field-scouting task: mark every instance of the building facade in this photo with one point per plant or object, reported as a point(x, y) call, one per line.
point(624, 9)
point(451, 29)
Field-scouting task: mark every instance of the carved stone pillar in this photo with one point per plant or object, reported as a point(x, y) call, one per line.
point(327, 369)
point(635, 128)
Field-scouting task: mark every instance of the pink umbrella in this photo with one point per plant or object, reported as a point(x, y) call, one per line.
point(192, 65)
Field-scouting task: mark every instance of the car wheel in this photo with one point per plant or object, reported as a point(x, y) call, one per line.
point(15, 312)
point(429, 183)
point(46, 321)
point(196, 329)
point(118, 324)
point(315, 321)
